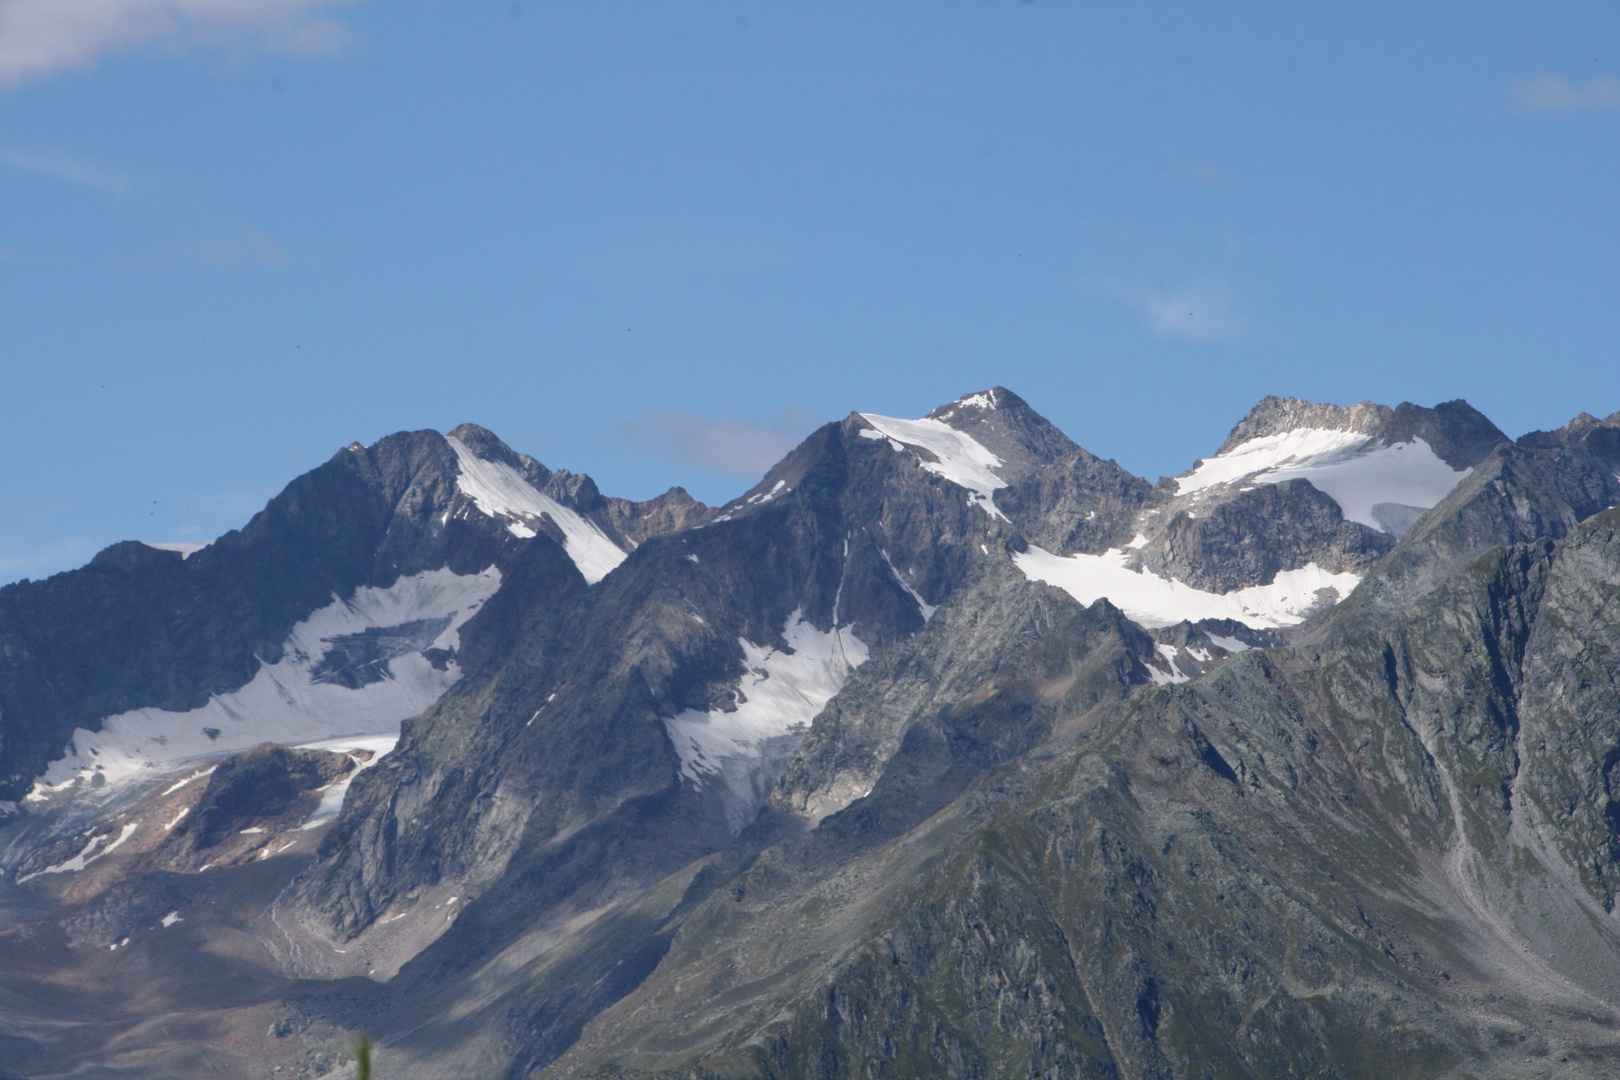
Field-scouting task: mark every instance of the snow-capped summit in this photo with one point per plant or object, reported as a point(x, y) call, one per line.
point(1381, 466)
point(499, 489)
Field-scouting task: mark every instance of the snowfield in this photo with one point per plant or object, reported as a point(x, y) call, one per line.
point(296, 701)
point(1378, 484)
point(779, 694)
point(1154, 601)
point(501, 491)
point(962, 460)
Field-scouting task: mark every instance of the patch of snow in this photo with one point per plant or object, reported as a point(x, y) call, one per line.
point(125, 834)
point(171, 918)
point(186, 550)
point(1138, 542)
point(923, 606)
point(1151, 600)
point(1175, 674)
point(1230, 644)
point(332, 794)
point(961, 459)
point(284, 702)
point(178, 818)
point(1378, 484)
point(693, 557)
point(252, 830)
point(178, 784)
point(502, 492)
point(87, 856)
point(1200, 655)
point(781, 692)
point(769, 495)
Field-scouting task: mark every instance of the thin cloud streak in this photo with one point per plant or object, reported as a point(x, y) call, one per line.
point(58, 166)
point(1201, 309)
point(735, 445)
point(247, 248)
point(1556, 94)
point(39, 38)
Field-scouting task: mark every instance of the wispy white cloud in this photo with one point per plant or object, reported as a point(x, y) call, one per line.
point(58, 166)
point(42, 37)
point(245, 247)
point(1555, 93)
point(248, 247)
point(1200, 309)
point(736, 445)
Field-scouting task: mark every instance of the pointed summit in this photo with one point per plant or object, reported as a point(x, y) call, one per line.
point(1005, 425)
point(485, 444)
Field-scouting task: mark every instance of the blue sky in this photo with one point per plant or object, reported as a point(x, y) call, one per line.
point(658, 242)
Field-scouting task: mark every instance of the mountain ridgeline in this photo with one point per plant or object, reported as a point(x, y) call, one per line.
point(947, 750)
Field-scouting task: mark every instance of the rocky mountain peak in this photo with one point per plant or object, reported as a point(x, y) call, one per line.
point(1572, 433)
point(1457, 432)
point(1003, 423)
point(1273, 415)
point(485, 444)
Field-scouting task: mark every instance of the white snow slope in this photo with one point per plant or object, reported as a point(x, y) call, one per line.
point(186, 550)
point(284, 703)
point(780, 693)
point(1151, 600)
point(962, 460)
point(502, 492)
point(1359, 472)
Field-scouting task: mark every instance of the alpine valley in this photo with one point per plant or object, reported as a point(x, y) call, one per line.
point(947, 750)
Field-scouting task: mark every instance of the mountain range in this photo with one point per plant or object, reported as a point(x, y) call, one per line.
point(947, 750)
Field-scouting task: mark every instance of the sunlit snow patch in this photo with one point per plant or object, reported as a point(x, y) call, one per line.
point(927, 610)
point(1151, 600)
point(780, 693)
point(92, 851)
point(1381, 485)
point(1175, 674)
point(354, 666)
point(961, 459)
point(502, 492)
point(186, 550)
point(332, 794)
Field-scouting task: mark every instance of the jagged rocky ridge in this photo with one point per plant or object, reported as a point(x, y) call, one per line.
point(830, 782)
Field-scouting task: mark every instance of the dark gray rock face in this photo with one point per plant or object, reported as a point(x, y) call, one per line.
point(141, 627)
point(1517, 494)
point(1381, 843)
point(1251, 537)
point(576, 703)
point(1392, 858)
point(263, 783)
point(1458, 432)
